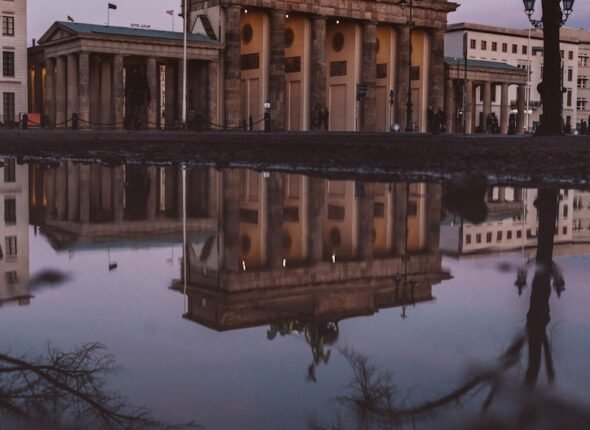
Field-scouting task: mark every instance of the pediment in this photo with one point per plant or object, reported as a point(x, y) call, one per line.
point(55, 33)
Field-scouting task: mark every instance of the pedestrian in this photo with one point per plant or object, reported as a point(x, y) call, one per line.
point(326, 118)
point(430, 119)
point(442, 120)
point(583, 127)
point(567, 128)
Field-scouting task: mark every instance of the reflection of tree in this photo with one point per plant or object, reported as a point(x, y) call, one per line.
point(372, 395)
point(318, 335)
point(67, 388)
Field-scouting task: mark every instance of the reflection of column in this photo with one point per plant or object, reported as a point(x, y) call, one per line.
point(72, 85)
point(469, 108)
point(232, 66)
point(433, 209)
point(60, 91)
point(152, 78)
point(274, 240)
point(106, 117)
point(450, 109)
point(437, 69)
point(152, 174)
point(106, 195)
point(400, 214)
point(118, 193)
point(366, 220)
point(118, 91)
point(317, 195)
point(487, 103)
point(213, 93)
point(73, 191)
point(504, 115)
point(84, 193)
point(50, 90)
point(368, 108)
point(84, 88)
point(318, 69)
point(403, 63)
point(51, 200)
point(277, 69)
point(231, 220)
point(61, 189)
point(521, 107)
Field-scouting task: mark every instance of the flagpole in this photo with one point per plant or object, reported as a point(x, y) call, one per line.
point(184, 66)
point(108, 15)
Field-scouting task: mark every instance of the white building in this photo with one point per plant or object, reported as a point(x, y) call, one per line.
point(524, 50)
point(13, 73)
point(14, 233)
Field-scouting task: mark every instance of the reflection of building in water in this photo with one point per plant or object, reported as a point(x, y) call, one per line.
point(512, 223)
point(82, 207)
point(14, 234)
point(302, 250)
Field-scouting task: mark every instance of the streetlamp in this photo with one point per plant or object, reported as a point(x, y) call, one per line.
point(409, 122)
point(554, 16)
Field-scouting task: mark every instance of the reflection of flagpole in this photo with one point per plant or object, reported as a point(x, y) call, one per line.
point(184, 66)
point(184, 241)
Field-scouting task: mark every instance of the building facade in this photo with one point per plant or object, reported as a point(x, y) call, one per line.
point(13, 43)
point(347, 65)
point(523, 49)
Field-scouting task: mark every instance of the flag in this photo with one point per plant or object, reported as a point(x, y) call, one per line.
point(112, 6)
point(70, 19)
point(170, 12)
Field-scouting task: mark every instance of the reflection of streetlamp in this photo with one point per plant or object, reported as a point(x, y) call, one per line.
point(409, 122)
point(267, 116)
point(391, 102)
point(550, 87)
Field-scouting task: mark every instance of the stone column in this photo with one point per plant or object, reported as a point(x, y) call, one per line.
point(400, 218)
point(72, 85)
point(84, 193)
point(84, 89)
point(118, 91)
point(437, 70)
point(73, 191)
point(274, 242)
point(318, 70)
point(277, 70)
point(152, 78)
point(170, 102)
point(403, 64)
point(317, 195)
point(61, 108)
point(213, 94)
point(368, 104)
point(469, 108)
point(504, 109)
point(450, 108)
point(231, 220)
point(106, 91)
point(50, 90)
point(487, 102)
point(232, 97)
point(521, 107)
point(366, 210)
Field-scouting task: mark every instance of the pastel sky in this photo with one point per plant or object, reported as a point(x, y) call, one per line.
point(42, 13)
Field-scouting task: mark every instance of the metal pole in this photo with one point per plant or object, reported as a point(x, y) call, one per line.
point(465, 83)
point(184, 236)
point(409, 120)
point(184, 65)
point(528, 82)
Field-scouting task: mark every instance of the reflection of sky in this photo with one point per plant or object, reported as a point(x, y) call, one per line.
point(240, 379)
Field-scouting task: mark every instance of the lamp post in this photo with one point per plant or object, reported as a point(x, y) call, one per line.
point(409, 121)
point(554, 16)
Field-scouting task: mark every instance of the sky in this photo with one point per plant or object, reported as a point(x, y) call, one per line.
point(42, 13)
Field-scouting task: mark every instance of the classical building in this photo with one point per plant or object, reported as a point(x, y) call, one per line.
point(506, 48)
point(326, 63)
point(90, 70)
point(13, 77)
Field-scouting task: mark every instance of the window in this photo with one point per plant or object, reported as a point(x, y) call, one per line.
point(8, 63)
point(10, 210)
point(489, 237)
point(499, 237)
point(570, 55)
point(11, 277)
point(564, 230)
point(570, 74)
point(515, 49)
point(494, 46)
point(504, 47)
point(518, 234)
point(581, 104)
point(472, 44)
point(583, 60)
point(565, 211)
point(9, 170)
point(11, 250)
point(569, 98)
point(484, 45)
point(561, 54)
point(478, 238)
point(509, 234)
point(468, 239)
point(8, 26)
point(8, 104)
point(524, 49)
point(582, 81)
